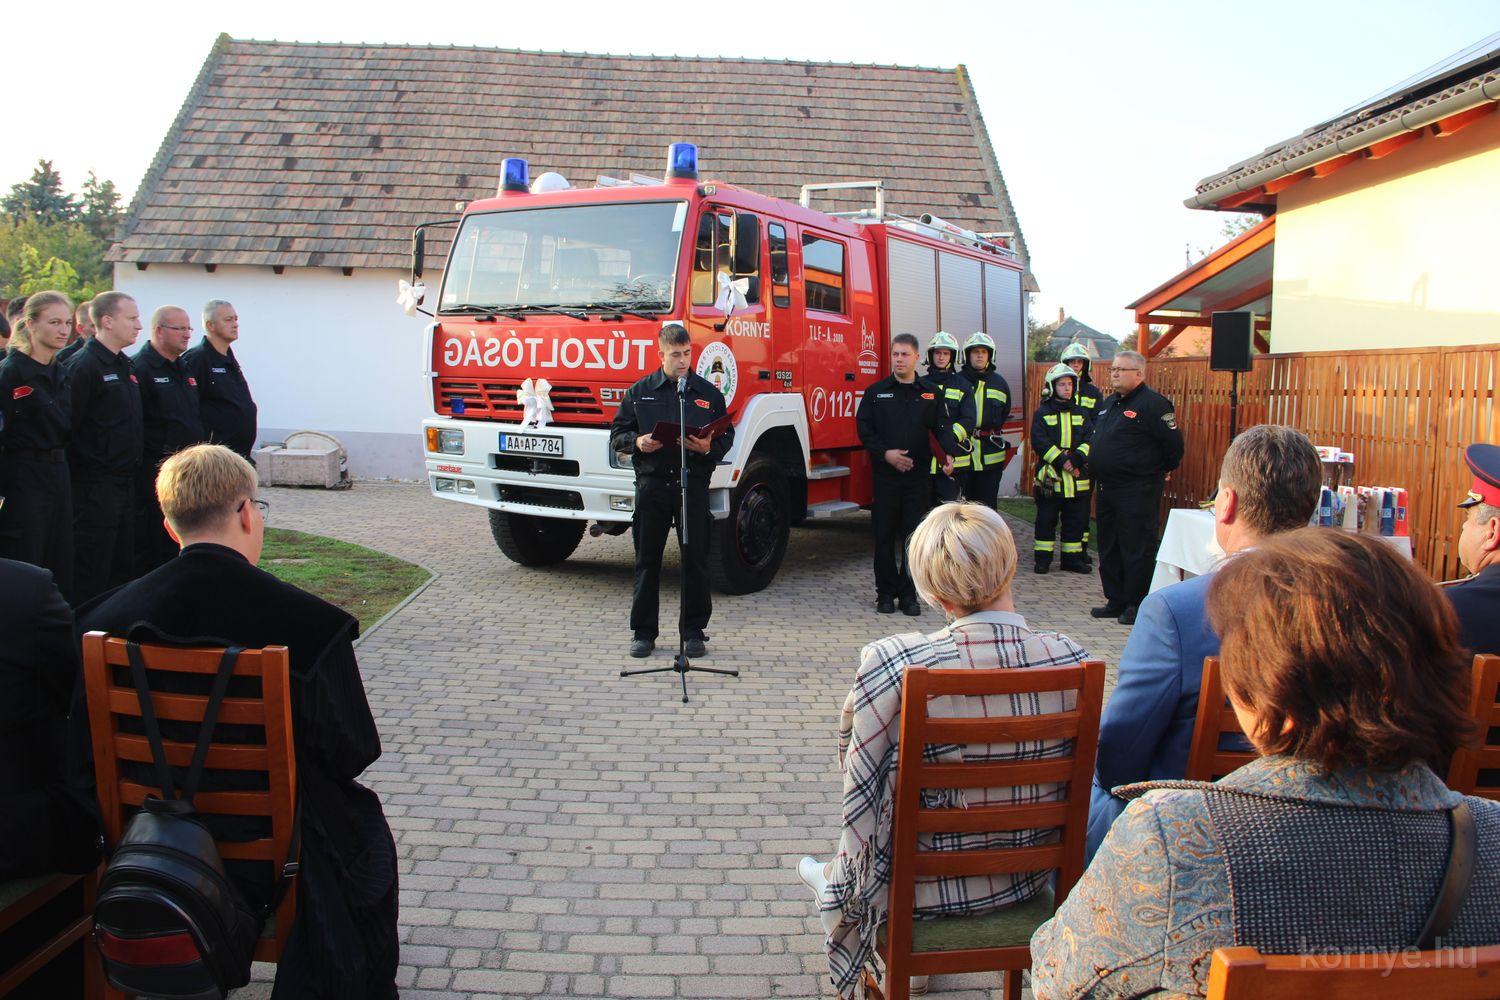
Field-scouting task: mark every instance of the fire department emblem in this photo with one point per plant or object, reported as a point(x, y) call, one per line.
point(717, 364)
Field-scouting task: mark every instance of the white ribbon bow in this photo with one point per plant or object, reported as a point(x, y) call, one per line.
point(409, 296)
point(536, 404)
point(732, 293)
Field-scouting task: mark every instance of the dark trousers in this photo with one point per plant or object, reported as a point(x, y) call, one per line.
point(983, 486)
point(1129, 517)
point(658, 507)
point(103, 534)
point(36, 521)
point(153, 546)
point(900, 503)
point(948, 488)
point(1073, 512)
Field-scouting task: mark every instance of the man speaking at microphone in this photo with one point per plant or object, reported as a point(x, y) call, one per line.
point(658, 501)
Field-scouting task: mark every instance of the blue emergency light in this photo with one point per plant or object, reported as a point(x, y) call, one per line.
point(514, 175)
point(682, 161)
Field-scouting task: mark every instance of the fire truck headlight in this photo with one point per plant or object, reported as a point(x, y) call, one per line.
point(448, 442)
point(682, 161)
point(621, 503)
point(466, 486)
point(443, 485)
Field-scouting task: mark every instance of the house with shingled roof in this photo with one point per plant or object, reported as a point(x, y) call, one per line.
point(294, 174)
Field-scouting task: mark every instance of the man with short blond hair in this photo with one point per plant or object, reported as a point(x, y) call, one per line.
point(229, 410)
point(172, 419)
point(343, 942)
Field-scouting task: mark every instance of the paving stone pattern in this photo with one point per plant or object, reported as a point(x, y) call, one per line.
point(563, 831)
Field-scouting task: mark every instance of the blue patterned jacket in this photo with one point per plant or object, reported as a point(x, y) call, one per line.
point(1280, 855)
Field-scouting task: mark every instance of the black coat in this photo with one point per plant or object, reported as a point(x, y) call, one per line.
point(904, 416)
point(229, 411)
point(41, 828)
point(344, 940)
point(653, 399)
point(1136, 440)
point(1477, 602)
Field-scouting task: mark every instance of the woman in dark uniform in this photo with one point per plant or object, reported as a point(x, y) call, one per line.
point(36, 520)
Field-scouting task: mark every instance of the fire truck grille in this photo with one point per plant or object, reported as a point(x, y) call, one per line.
point(497, 400)
point(536, 496)
point(538, 466)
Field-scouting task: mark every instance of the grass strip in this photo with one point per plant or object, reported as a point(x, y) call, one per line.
point(363, 582)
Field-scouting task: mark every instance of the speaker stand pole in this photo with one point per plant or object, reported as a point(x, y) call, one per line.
point(1234, 403)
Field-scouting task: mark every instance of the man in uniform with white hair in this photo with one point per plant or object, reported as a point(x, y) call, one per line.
point(171, 420)
point(228, 409)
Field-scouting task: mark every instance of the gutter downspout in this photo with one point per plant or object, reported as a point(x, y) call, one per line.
point(1411, 121)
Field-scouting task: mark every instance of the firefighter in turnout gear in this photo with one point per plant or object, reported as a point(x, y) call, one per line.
point(1060, 432)
point(991, 452)
point(958, 408)
point(1087, 397)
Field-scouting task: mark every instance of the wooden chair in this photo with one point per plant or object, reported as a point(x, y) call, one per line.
point(1001, 940)
point(111, 696)
point(1206, 762)
point(1455, 974)
point(21, 898)
point(1471, 766)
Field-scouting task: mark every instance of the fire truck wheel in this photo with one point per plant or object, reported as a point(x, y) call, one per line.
point(535, 541)
point(746, 548)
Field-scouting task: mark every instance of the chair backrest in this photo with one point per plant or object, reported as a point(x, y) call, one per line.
point(111, 696)
point(1079, 724)
point(1206, 762)
point(1477, 771)
point(1454, 974)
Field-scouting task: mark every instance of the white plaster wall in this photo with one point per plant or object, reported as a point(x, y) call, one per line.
point(321, 351)
point(1392, 253)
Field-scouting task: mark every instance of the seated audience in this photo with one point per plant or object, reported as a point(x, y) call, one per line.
point(40, 829)
point(963, 561)
point(1268, 483)
point(343, 943)
point(1342, 662)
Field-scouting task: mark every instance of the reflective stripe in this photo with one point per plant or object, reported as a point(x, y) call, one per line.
point(1049, 418)
point(954, 393)
point(1072, 546)
point(960, 433)
point(1045, 546)
point(1083, 487)
point(1067, 486)
point(1051, 453)
point(1083, 448)
point(995, 394)
point(1087, 401)
point(1067, 434)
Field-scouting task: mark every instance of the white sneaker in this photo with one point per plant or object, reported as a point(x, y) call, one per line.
point(918, 986)
point(810, 871)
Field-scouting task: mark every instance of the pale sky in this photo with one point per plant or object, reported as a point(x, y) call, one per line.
point(1103, 115)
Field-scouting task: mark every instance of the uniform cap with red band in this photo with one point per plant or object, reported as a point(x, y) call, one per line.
point(1484, 461)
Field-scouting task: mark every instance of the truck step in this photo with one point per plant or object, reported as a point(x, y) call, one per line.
point(832, 508)
point(827, 471)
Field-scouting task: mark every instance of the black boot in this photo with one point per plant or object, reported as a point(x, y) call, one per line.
point(1042, 565)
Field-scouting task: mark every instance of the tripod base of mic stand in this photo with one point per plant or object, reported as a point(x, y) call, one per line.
point(681, 665)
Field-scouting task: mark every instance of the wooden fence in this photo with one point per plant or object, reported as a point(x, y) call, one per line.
point(1406, 415)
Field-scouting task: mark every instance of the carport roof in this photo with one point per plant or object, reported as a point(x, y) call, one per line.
point(290, 154)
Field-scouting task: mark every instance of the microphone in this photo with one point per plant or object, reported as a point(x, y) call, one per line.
point(681, 385)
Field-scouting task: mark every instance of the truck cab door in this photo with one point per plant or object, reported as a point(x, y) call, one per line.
point(727, 313)
point(783, 259)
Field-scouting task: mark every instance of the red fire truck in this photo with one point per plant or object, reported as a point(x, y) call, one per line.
point(556, 291)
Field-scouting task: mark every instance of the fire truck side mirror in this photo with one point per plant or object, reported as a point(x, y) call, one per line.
point(745, 244)
point(418, 252)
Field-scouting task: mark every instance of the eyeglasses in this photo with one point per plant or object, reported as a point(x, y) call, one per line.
point(264, 505)
point(1114, 369)
point(179, 329)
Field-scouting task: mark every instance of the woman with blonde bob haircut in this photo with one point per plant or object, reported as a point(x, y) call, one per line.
point(963, 562)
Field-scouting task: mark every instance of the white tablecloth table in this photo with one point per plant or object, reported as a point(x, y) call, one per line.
point(1188, 547)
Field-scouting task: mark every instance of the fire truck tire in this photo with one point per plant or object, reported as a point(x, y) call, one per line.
point(746, 548)
point(535, 541)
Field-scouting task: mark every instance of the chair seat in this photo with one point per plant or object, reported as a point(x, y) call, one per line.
point(14, 891)
point(1011, 926)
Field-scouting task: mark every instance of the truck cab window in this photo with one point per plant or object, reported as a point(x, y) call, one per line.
point(781, 278)
point(727, 244)
point(823, 273)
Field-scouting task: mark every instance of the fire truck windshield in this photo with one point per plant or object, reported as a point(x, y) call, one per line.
point(603, 257)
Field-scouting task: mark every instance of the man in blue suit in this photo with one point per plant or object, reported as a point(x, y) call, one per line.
point(1269, 482)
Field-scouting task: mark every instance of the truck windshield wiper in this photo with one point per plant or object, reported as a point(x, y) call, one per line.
point(556, 310)
point(624, 308)
point(473, 310)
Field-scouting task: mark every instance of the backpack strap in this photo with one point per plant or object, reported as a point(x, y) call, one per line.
point(210, 719)
point(148, 719)
point(169, 788)
point(1456, 879)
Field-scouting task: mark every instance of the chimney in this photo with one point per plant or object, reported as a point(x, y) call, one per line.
point(1060, 316)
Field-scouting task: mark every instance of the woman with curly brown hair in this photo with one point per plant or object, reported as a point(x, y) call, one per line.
point(1342, 662)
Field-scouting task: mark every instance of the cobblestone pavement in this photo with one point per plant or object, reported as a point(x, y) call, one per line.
point(563, 831)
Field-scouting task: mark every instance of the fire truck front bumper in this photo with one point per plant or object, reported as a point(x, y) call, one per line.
point(562, 472)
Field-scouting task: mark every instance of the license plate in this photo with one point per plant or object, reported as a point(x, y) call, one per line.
point(531, 444)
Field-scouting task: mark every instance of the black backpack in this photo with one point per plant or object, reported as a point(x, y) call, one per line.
point(167, 919)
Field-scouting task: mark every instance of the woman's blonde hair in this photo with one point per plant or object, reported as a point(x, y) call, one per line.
point(20, 337)
point(962, 554)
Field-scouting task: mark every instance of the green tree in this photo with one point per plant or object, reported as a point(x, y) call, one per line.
point(52, 274)
point(1037, 335)
point(42, 197)
point(26, 248)
point(101, 207)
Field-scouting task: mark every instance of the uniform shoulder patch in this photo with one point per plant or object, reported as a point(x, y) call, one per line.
point(1170, 419)
point(703, 403)
point(928, 395)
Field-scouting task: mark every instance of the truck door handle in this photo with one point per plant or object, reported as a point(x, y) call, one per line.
point(848, 376)
point(765, 376)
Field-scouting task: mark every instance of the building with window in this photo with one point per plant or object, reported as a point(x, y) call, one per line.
point(292, 179)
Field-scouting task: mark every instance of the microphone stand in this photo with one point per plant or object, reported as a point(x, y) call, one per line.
point(680, 663)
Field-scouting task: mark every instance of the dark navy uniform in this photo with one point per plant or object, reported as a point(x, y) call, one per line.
point(229, 411)
point(1477, 599)
point(172, 421)
point(1136, 443)
point(36, 521)
point(901, 415)
point(72, 349)
point(658, 500)
point(104, 459)
point(991, 452)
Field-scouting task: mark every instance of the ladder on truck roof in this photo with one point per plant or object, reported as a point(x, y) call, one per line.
point(928, 225)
